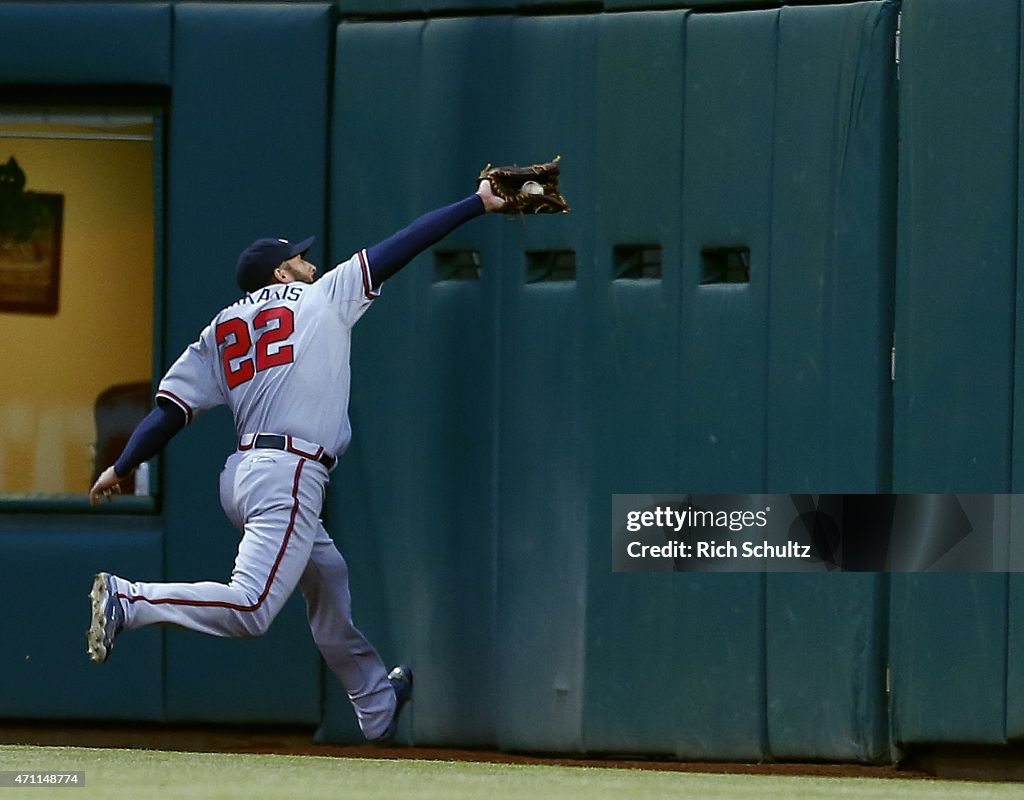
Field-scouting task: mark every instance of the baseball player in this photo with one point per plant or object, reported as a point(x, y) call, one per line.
point(279, 359)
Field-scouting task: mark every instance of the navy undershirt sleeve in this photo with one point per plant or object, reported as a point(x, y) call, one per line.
point(150, 436)
point(387, 257)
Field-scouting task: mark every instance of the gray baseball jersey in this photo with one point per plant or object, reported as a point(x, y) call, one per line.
point(279, 358)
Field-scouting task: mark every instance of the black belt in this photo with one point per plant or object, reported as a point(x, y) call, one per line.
point(275, 441)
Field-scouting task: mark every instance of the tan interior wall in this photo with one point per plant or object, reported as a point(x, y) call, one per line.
point(55, 366)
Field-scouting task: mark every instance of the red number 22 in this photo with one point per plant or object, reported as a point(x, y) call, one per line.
point(237, 330)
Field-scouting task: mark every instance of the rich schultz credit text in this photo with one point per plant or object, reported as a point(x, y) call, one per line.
point(815, 533)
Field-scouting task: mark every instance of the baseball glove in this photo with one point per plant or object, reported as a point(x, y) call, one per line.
point(527, 190)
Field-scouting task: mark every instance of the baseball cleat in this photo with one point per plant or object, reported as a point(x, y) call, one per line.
point(107, 617)
point(401, 682)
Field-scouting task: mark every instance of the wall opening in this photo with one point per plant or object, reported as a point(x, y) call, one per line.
point(636, 261)
point(725, 265)
point(550, 265)
point(456, 265)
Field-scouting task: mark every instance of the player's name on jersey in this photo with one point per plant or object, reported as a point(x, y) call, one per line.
point(281, 291)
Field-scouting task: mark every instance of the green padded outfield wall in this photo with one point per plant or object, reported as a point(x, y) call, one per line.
point(833, 234)
point(587, 383)
point(44, 671)
point(248, 151)
point(392, 9)
point(829, 412)
point(720, 411)
point(359, 10)
point(375, 111)
point(415, 502)
point(77, 40)
point(634, 345)
point(956, 327)
point(547, 442)
point(957, 247)
point(823, 268)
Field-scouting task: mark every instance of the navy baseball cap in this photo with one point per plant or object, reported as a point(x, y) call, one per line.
point(259, 260)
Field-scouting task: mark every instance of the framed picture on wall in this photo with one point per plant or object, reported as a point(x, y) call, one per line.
point(31, 228)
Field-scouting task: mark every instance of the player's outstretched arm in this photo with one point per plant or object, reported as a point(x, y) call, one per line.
point(148, 439)
point(389, 256)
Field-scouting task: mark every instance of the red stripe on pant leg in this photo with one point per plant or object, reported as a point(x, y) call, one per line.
point(270, 578)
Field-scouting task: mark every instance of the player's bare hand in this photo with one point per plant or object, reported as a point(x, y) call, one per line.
point(107, 485)
point(491, 201)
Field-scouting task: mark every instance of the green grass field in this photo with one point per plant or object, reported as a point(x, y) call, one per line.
point(137, 774)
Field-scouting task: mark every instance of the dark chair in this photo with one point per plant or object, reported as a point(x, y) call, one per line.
point(119, 409)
